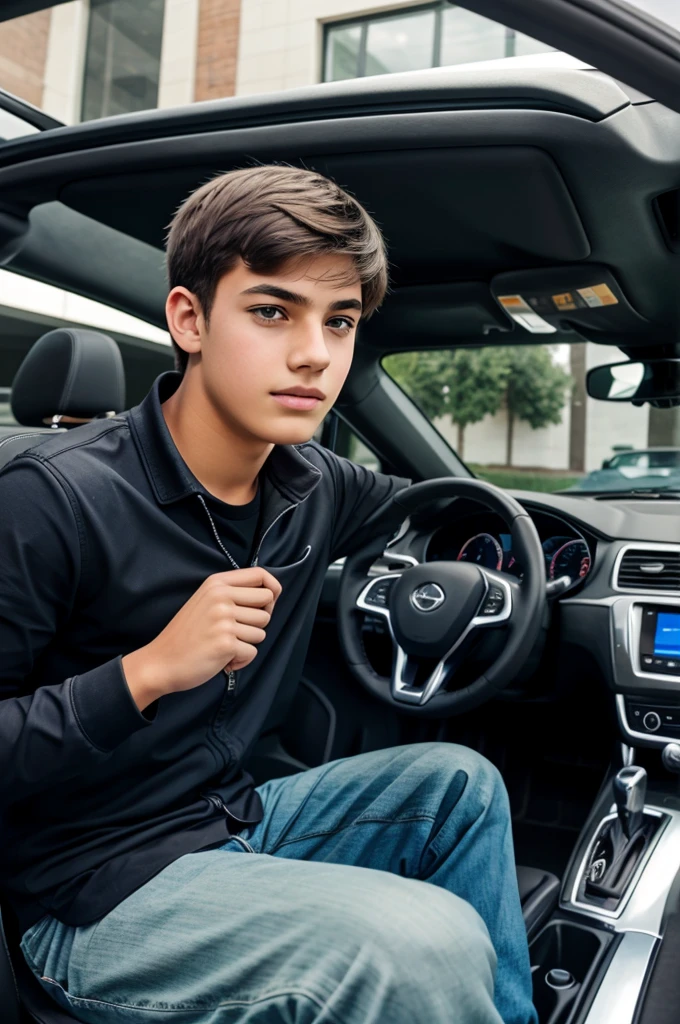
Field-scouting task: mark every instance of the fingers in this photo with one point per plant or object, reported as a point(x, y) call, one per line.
point(254, 576)
point(250, 634)
point(243, 655)
point(254, 597)
point(252, 616)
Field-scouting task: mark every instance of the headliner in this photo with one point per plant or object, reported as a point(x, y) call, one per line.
point(470, 174)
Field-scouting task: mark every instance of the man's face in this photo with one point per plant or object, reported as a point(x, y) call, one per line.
point(268, 334)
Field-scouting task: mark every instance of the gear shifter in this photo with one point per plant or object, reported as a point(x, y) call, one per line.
point(620, 842)
point(630, 790)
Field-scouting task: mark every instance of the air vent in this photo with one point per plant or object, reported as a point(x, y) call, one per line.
point(648, 569)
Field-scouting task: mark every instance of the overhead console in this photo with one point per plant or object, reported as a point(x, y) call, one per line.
point(586, 298)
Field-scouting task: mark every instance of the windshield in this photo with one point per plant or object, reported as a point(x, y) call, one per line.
point(519, 417)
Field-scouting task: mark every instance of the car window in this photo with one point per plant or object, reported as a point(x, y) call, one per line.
point(419, 36)
point(630, 461)
point(337, 435)
point(519, 416)
point(40, 307)
point(13, 127)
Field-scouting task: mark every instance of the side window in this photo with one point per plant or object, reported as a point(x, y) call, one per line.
point(357, 451)
point(337, 435)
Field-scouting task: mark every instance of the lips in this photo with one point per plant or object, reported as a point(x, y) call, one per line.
point(299, 398)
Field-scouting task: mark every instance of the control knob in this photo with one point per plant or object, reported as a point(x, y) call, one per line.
point(651, 721)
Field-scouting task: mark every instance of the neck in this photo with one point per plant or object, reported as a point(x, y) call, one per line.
point(225, 461)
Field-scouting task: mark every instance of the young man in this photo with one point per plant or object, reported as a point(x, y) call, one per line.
point(160, 575)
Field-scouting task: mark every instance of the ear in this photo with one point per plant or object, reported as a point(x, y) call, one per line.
point(185, 319)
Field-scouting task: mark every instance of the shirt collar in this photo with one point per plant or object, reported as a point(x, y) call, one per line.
point(293, 476)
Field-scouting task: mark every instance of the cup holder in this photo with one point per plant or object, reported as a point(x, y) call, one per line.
point(564, 958)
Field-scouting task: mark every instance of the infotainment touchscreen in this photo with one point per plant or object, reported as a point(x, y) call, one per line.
point(660, 639)
point(667, 635)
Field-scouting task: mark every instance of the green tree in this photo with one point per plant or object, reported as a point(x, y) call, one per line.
point(471, 383)
point(466, 384)
point(476, 384)
point(536, 390)
point(423, 376)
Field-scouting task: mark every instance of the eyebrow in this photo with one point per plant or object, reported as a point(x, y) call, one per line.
point(299, 300)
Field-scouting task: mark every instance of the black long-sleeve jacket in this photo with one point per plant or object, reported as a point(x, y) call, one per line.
point(102, 539)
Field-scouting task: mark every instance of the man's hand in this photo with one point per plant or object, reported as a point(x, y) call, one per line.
point(216, 629)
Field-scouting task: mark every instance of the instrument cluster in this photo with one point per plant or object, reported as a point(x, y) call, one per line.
point(485, 540)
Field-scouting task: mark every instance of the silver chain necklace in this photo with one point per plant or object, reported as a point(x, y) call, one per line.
point(217, 536)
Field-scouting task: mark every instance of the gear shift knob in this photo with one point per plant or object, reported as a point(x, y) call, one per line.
point(630, 790)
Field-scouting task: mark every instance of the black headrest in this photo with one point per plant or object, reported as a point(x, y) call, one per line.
point(69, 372)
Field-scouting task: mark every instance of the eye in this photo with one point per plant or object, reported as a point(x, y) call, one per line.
point(340, 323)
point(268, 312)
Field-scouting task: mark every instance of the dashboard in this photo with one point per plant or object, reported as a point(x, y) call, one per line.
point(483, 538)
point(607, 628)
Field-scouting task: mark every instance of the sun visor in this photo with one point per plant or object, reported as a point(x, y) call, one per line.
point(587, 299)
point(440, 313)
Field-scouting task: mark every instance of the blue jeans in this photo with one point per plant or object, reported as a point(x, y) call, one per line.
point(377, 889)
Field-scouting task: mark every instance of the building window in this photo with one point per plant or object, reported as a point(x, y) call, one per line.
point(123, 57)
point(420, 37)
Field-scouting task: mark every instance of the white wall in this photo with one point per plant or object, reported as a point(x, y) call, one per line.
point(178, 53)
point(607, 423)
point(280, 41)
point(65, 60)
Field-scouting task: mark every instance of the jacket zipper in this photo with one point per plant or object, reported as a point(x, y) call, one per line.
point(232, 677)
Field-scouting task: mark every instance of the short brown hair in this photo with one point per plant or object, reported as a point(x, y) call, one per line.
point(268, 215)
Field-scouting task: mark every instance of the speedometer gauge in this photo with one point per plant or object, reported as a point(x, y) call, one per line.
point(483, 549)
point(572, 559)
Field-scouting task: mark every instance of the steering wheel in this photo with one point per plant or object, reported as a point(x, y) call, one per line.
point(435, 609)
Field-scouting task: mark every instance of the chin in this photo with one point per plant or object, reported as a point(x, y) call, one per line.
point(291, 433)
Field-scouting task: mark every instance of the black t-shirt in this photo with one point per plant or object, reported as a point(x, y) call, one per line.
point(236, 526)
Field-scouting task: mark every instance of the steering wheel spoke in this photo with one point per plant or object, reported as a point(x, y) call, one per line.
point(374, 597)
point(496, 607)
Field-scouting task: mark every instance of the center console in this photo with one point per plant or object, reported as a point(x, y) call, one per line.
point(646, 668)
point(591, 961)
point(600, 959)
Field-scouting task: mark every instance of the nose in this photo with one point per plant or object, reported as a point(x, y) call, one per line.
point(309, 348)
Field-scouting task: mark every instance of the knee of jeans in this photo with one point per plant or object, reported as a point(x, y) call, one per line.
point(414, 948)
point(422, 929)
point(480, 771)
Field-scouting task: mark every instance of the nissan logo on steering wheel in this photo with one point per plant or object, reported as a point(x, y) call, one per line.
point(428, 597)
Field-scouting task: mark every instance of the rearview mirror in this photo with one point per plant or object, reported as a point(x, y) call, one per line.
point(654, 380)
